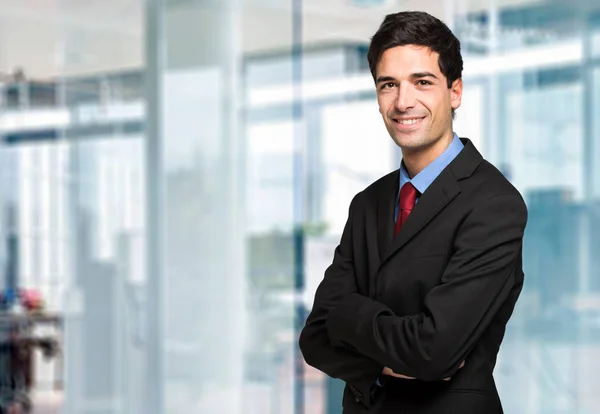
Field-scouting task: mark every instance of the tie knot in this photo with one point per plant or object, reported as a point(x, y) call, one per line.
point(408, 196)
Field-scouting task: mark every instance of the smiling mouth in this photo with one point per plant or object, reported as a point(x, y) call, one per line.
point(408, 121)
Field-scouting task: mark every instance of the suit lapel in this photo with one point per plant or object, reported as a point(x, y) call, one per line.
point(437, 196)
point(443, 190)
point(386, 205)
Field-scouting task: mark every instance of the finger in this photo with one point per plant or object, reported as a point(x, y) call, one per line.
point(389, 372)
point(402, 376)
point(447, 379)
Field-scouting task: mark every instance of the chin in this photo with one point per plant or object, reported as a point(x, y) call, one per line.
point(414, 143)
point(411, 144)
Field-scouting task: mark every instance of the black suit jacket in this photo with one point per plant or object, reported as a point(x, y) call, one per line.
point(439, 293)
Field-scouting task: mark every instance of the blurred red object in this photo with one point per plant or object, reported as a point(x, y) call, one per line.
point(31, 299)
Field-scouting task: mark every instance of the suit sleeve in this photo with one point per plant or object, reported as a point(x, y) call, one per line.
point(343, 362)
point(477, 281)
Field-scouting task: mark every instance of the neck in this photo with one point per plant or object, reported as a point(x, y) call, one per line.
point(415, 161)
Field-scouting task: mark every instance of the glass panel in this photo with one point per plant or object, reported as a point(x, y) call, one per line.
point(175, 176)
point(546, 144)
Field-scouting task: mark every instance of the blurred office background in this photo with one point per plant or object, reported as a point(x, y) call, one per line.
point(175, 175)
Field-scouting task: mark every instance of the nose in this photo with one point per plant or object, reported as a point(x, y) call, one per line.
point(406, 98)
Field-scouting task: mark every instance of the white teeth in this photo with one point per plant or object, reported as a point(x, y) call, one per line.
point(408, 121)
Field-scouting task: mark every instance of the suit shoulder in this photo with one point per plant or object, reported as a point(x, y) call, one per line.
point(371, 191)
point(384, 182)
point(488, 189)
point(490, 182)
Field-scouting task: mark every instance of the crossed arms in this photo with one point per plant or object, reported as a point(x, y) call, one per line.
point(352, 337)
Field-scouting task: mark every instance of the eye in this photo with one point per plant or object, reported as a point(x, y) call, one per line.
point(388, 85)
point(423, 82)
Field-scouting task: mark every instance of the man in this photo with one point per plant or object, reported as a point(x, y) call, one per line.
point(413, 309)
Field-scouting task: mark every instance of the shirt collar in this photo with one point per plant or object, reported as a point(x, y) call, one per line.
point(424, 178)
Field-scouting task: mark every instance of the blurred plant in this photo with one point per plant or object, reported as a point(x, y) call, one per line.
point(315, 228)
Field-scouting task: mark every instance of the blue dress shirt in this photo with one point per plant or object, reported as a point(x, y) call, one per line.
point(424, 178)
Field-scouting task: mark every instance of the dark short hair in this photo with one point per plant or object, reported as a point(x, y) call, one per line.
point(421, 29)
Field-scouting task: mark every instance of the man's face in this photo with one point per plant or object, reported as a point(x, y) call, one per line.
point(414, 98)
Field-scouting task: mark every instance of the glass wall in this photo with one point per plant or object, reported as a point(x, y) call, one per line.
point(175, 176)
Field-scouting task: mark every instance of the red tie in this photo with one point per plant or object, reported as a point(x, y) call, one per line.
point(408, 196)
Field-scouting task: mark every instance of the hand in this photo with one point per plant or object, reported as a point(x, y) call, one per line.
point(388, 371)
point(462, 364)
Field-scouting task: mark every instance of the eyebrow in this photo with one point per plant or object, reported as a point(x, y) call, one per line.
point(384, 79)
point(417, 75)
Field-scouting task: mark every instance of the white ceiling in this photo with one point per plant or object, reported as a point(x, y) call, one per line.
point(65, 37)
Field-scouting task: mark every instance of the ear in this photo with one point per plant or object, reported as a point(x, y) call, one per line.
point(456, 93)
